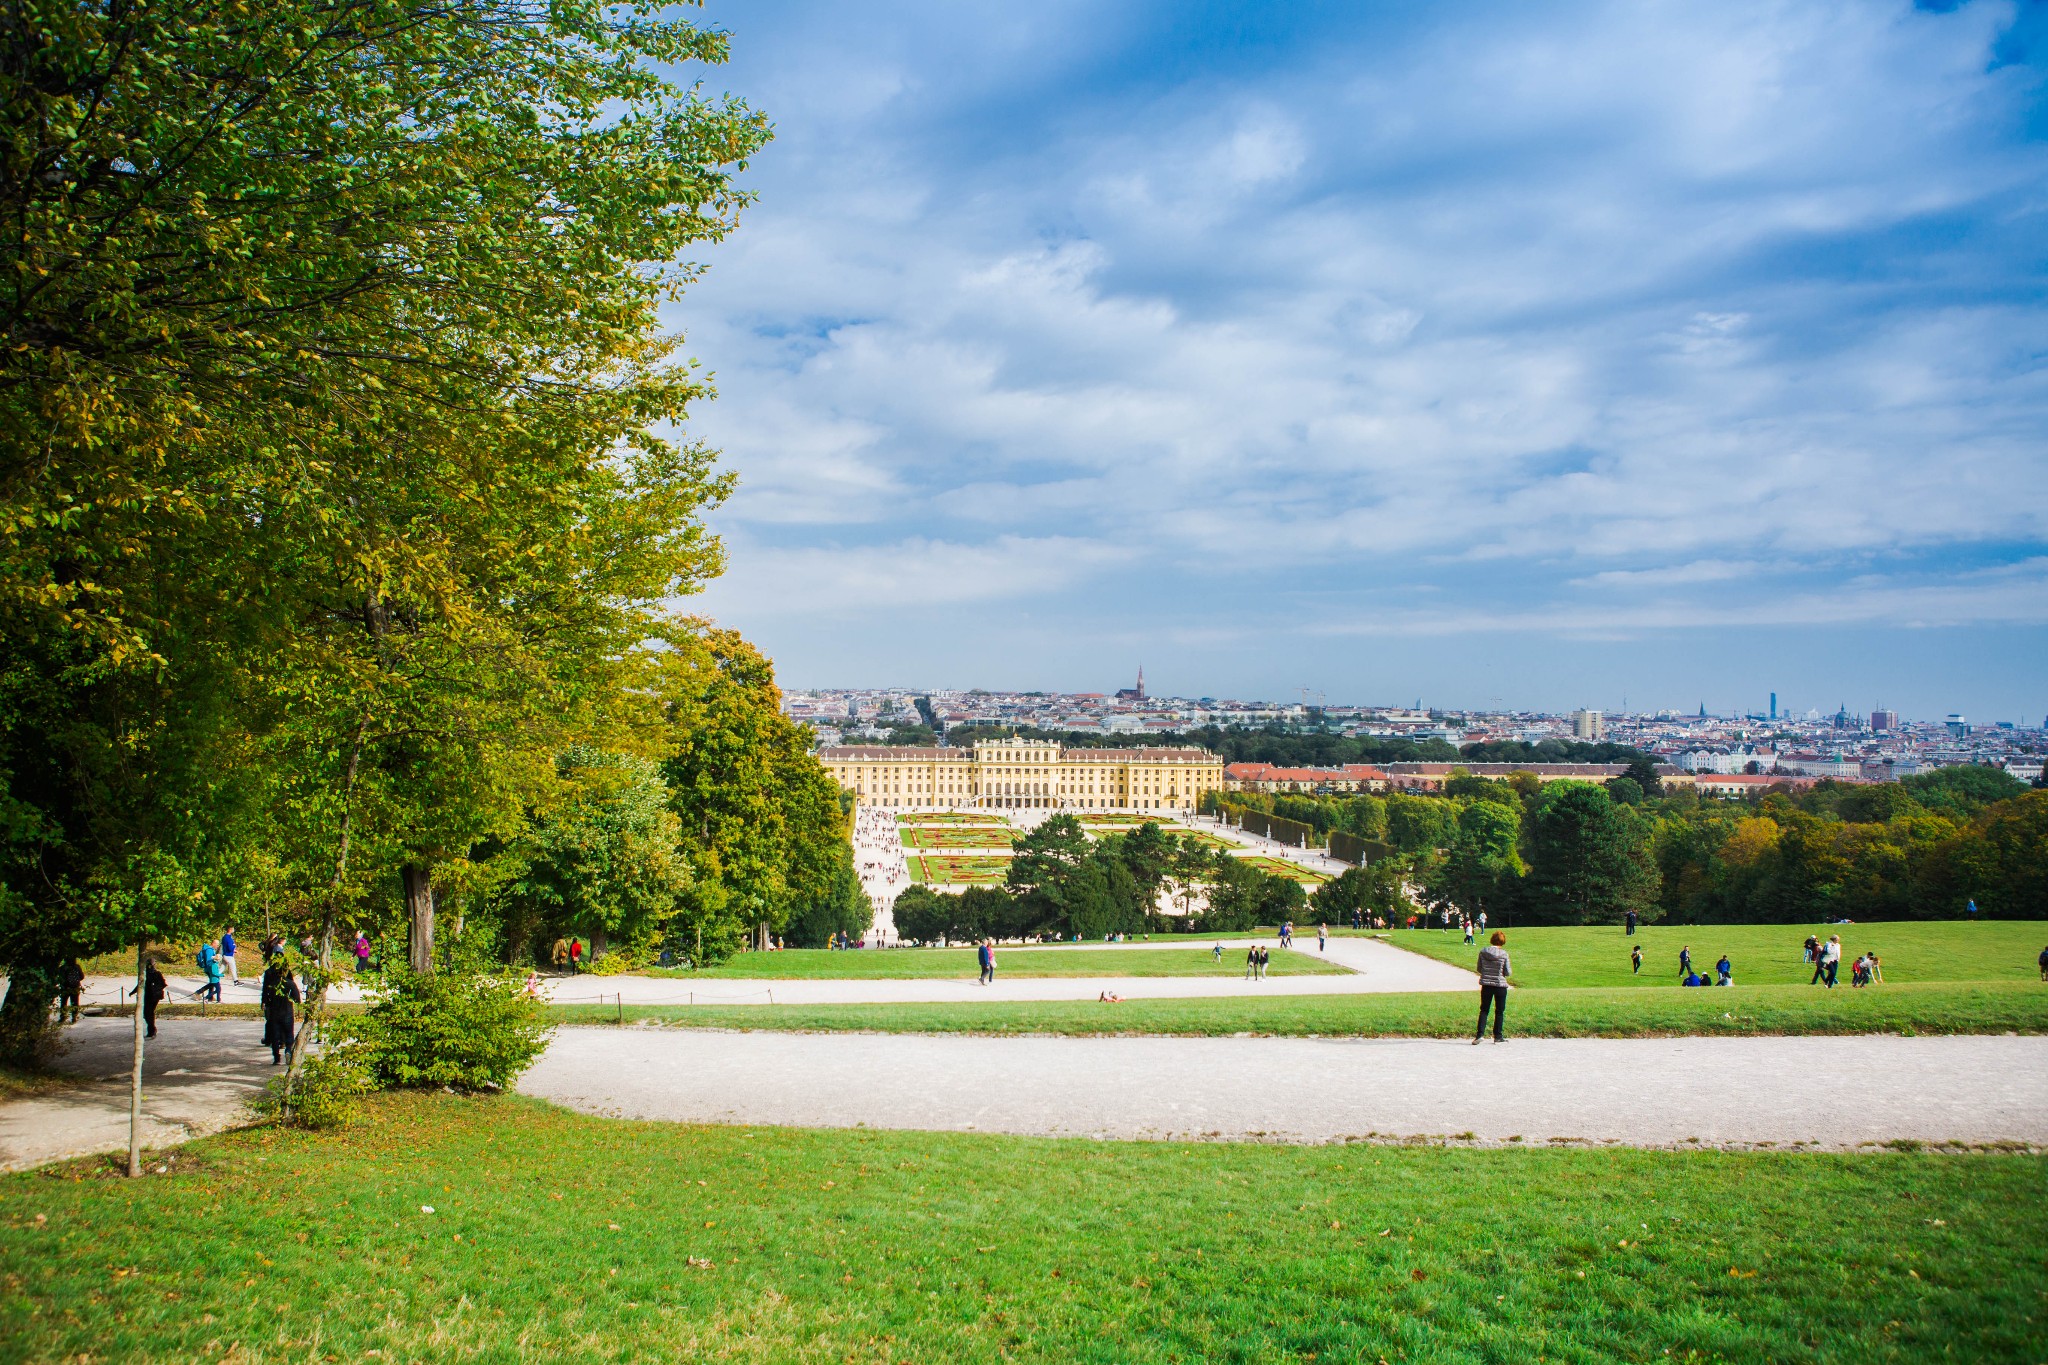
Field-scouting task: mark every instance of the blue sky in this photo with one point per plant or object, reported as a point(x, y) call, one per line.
point(1552, 354)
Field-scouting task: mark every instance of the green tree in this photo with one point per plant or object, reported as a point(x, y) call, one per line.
point(761, 819)
point(1483, 861)
point(1589, 859)
point(602, 861)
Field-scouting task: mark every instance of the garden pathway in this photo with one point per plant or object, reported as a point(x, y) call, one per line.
point(1736, 1092)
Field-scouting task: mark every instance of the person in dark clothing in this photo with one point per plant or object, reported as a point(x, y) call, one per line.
point(1635, 960)
point(280, 993)
point(1725, 971)
point(154, 988)
point(1631, 923)
point(987, 955)
point(70, 985)
point(1494, 969)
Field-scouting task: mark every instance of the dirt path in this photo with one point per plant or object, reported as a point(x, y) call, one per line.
point(1831, 1092)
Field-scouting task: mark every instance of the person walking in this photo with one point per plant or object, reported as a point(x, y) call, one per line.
point(1725, 971)
point(280, 993)
point(1468, 931)
point(559, 954)
point(362, 952)
point(1809, 952)
point(209, 963)
point(1494, 970)
point(1831, 958)
point(2044, 964)
point(70, 986)
point(987, 954)
point(575, 955)
point(1251, 963)
point(1322, 938)
point(1631, 917)
point(1685, 960)
point(227, 954)
point(1218, 950)
point(1635, 960)
point(154, 988)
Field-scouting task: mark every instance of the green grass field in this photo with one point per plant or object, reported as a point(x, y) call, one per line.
point(556, 1236)
point(959, 869)
point(924, 964)
point(1761, 954)
point(1280, 867)
point(958, 836)
point(2011, 1007)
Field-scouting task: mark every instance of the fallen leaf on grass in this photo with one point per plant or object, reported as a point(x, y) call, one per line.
point(1742, 1274)
point(699, 1263)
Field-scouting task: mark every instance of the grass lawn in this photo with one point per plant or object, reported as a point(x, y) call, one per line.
point(557, 1236)
point(1763, 954)
point(959, 869)
point(923, 964)
point(2011, 1007)
point(956, 837)
point(1279, 867)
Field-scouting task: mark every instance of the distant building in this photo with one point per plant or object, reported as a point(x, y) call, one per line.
point(1588, 725)
point(1774, 706)
point(1133, 693)
point(1958, 728)
point(1882, 719)
point(1025, 774)
point(1266, 777)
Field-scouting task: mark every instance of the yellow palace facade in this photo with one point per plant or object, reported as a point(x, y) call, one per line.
point(1015, 774)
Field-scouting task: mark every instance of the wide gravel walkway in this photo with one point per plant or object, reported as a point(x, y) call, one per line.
point(1830, 1092)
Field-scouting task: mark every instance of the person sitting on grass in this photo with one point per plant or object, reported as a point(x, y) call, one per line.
point(1695, 979)
point(1725, 971)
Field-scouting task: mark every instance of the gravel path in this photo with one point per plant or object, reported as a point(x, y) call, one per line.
point(198, 1077)
point(1735, 1092)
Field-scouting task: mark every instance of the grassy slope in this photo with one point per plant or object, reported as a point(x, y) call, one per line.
point(558, 1236)
point(1763, 954)
point(923, 964)
point(2009, 1007)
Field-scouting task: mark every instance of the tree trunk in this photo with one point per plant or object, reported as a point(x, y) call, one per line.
point(600, 942)
point(419, 911)
point(135, 1076)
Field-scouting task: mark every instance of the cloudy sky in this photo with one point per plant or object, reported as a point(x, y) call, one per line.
point(1551, 354)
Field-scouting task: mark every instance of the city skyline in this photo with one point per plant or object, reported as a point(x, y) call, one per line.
point(1542, 350)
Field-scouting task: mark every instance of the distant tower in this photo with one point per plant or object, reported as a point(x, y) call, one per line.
point(1774, 706)
point(1703, 710)
point(1141, 682)
point(1133, 693)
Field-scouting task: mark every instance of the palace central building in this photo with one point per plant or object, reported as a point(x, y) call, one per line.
point(1015, 774)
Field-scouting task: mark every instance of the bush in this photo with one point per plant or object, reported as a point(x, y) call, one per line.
point(324, 1087)
point(468, 1031)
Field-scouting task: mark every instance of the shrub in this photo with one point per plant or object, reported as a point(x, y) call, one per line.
point(324, 1087)
point(468, 1031)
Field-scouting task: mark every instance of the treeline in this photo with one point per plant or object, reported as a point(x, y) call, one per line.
point(1062, 885)
point(1584, 853)
point(1313, 749)
point(341, 531)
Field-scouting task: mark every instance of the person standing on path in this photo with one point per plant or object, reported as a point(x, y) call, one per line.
point(1831, 958)
point(1494, 969)
point(987, 955)
point(1631, 923)
point(227, 954)
point(1322, 938)
point(154, 988)
point(70, 986)
point(280, 993)
point(1251, 962)
point(575, 955)
point(1635, 960)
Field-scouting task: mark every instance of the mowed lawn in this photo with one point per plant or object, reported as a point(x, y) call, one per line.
point(556, 1236)
point(921, 964)
point(1761, 954)
point(1990, 1007)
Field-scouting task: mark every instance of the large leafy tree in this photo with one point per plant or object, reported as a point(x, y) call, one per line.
point(332, 360)
point(1589, 859)
point(759, 815)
